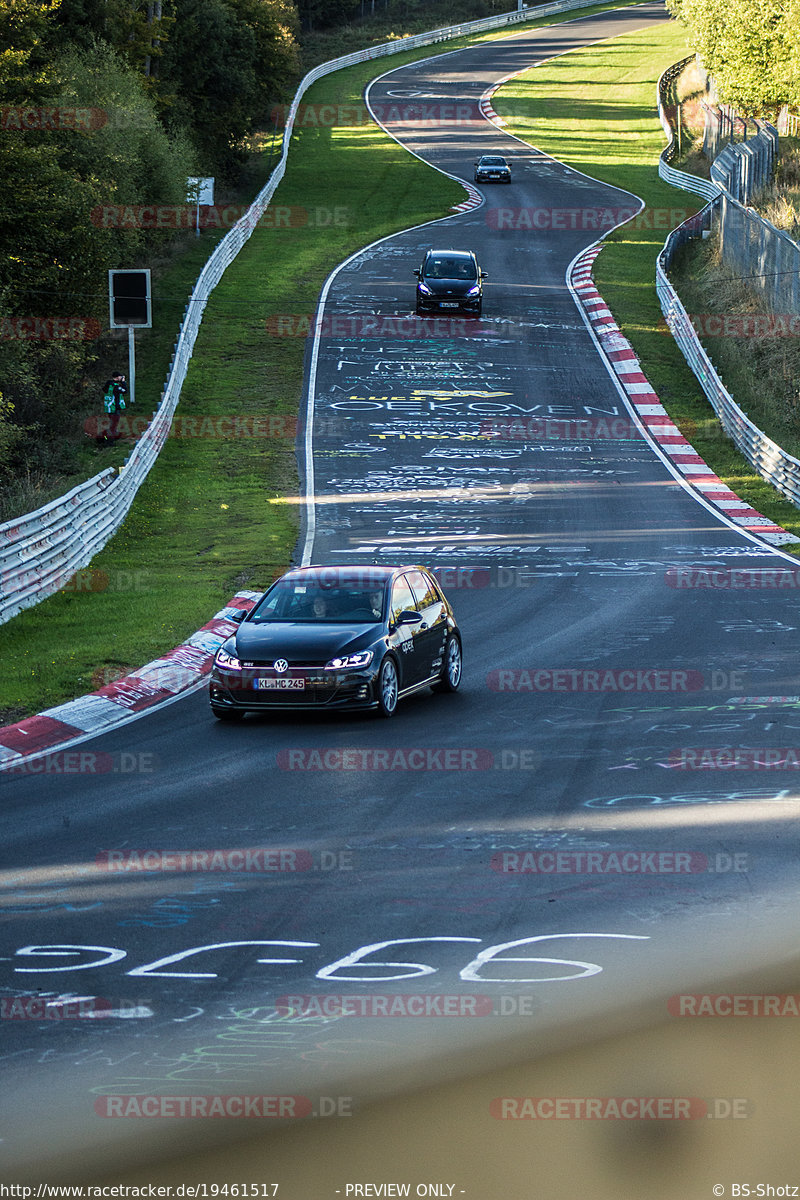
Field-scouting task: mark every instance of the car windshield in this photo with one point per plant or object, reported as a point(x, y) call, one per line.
point(493, 162)
point(450, 268)
point(315, 601)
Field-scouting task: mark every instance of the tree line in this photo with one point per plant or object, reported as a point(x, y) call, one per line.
point(750, 47)
point(109, 103)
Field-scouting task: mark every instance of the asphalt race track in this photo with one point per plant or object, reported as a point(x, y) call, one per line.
point(552, 838)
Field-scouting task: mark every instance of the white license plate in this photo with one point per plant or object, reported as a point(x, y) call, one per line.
point(280, 685)
point(448, 304)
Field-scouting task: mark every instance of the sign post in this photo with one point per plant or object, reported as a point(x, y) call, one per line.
point(130, 304)
point(200, 188)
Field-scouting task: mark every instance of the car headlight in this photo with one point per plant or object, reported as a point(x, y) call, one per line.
point(362, 659)
point(423, 287)
point(228, 662)
point(473, 291)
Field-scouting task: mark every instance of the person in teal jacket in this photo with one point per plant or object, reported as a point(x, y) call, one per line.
point(116, 390)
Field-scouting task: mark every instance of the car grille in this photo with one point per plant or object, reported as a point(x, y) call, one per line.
point(315, 694)
point(294, 664)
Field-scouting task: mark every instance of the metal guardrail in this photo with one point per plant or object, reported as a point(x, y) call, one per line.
point(680, 179)
point(771, 461)
point(41, 551)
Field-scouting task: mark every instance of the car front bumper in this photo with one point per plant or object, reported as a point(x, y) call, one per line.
point(448, 303)
point(350, 689)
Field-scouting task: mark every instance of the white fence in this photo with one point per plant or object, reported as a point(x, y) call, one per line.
point(41, 551)
point(771, 461)
point(788, 123)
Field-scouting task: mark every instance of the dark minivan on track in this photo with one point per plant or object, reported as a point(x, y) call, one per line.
point(450, 279)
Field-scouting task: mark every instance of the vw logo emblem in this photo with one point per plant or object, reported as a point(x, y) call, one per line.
point(281, 665)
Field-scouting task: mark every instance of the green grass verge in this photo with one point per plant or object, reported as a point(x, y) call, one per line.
point(175, 266)
point(763, 373)
point(595, 109)
point(202, 524)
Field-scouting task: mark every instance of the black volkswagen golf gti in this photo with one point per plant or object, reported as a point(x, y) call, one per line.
point(336, 637)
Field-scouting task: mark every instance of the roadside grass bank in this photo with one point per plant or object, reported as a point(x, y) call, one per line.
point(760, 369)
point(595, 109)
point(174, 266)
point(202, 525)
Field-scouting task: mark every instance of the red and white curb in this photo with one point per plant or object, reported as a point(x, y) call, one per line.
point(486, 110)
point(485, 103)
point(180, 670)
point(474, 198)
point(654, 416)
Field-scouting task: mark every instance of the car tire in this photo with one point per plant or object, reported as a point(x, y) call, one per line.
point(452, 666)
point(388, 688)
point(226, 714)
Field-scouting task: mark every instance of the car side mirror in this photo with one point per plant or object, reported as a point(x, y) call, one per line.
point(417, 273)
point(409, 616)
point(238, 616)
point(484, 275)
